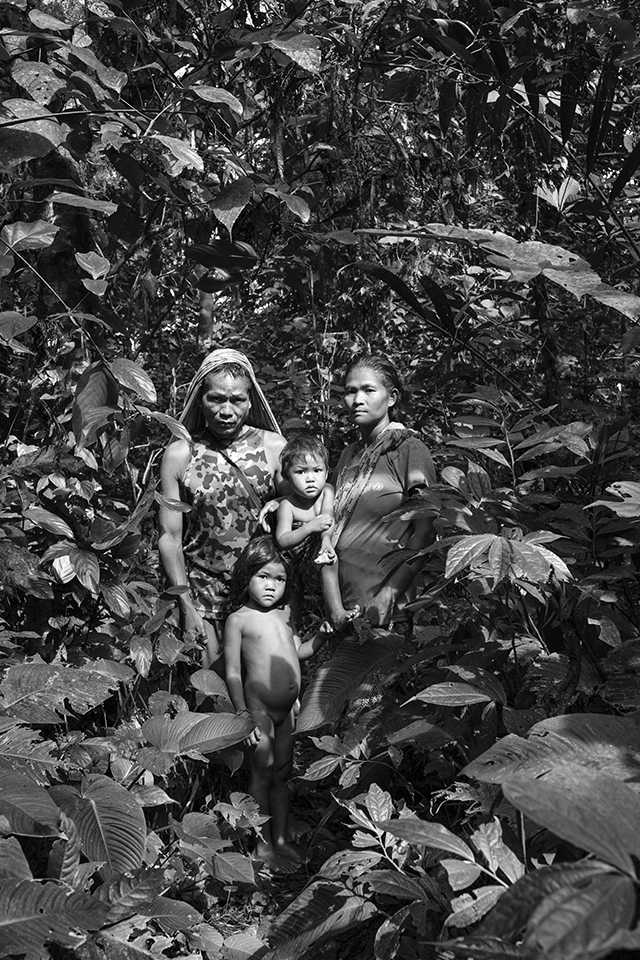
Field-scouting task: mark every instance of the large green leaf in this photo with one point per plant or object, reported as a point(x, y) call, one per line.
point(96, 389)
point(34, 913)
point(196, 733)
point(572, 924)
point(335, 681)
point(37, 691)
point(134, 377)
point(27, 808)
point(518, 903)
point(424, 834)
point(21, 749)
point(13, 863)
point(128, 895)
point(591, 810)
point(171, 914)
point(597, 742)
point(321, 911)
point(110, 822)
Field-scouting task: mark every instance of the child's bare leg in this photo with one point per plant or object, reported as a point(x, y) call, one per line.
point(333, 598)
point(279, 794)
point(260, 787)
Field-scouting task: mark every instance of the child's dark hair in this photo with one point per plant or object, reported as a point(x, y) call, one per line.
point(299, 448)
point(256, 554)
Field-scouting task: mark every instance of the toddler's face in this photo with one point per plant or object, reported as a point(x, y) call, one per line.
point(268, 584)
point(308, 478)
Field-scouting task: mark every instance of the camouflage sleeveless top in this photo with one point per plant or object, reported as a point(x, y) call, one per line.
point(223, 518)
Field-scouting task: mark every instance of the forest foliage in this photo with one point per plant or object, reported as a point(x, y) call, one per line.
point(455, 185)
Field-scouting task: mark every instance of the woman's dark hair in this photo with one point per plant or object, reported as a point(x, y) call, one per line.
point(256, 554)
point(384, 368)
point(299, 448)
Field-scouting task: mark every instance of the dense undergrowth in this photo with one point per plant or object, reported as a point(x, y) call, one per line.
point(477, 782)
point(451, 184)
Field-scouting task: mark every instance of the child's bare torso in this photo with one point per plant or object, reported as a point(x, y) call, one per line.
point(301, 514)
point(270, 660)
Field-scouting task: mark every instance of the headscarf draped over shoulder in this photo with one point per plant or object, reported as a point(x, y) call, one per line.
point(260, 415)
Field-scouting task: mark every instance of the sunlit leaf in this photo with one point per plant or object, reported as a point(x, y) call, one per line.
point(35, 913)
point(232, 200)
point(86, 203)
point(218, 95)
point(608, 744)
point(427, 834)
point(37, 691)
point(591, 810)
point(109, 820)
point(132, 376)
point(571, 923)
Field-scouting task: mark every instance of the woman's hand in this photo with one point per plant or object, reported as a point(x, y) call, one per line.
point(193, 626)
point(270, 507)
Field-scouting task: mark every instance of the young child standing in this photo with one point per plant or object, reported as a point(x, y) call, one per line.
point(261, 641)
point(305, 517)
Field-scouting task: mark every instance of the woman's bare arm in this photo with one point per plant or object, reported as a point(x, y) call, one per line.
point(173, 468)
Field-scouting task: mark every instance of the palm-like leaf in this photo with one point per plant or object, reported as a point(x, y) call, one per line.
point(33, 913)
point(110, 822)
point(338, 679)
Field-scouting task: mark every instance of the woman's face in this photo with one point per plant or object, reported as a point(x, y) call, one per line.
point(225, 404)
point(367, 399)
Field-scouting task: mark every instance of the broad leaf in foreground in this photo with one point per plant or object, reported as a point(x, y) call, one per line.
point(110, 822)
point(591, 810)
point(607, 744)
point(510, 915)
point(34, 913)
point(322, 910)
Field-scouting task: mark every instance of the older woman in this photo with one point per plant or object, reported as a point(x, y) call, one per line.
point(374, 477)
point(224, 474)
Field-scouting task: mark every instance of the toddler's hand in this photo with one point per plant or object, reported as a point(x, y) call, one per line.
point(321, 523)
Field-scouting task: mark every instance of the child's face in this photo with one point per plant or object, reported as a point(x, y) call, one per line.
point(308, 477)
point(267, 585)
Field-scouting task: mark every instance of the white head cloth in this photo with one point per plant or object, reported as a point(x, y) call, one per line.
point(260, 415)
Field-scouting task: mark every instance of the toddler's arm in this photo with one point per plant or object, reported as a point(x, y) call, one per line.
point(309, 647)
point(286, 537)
